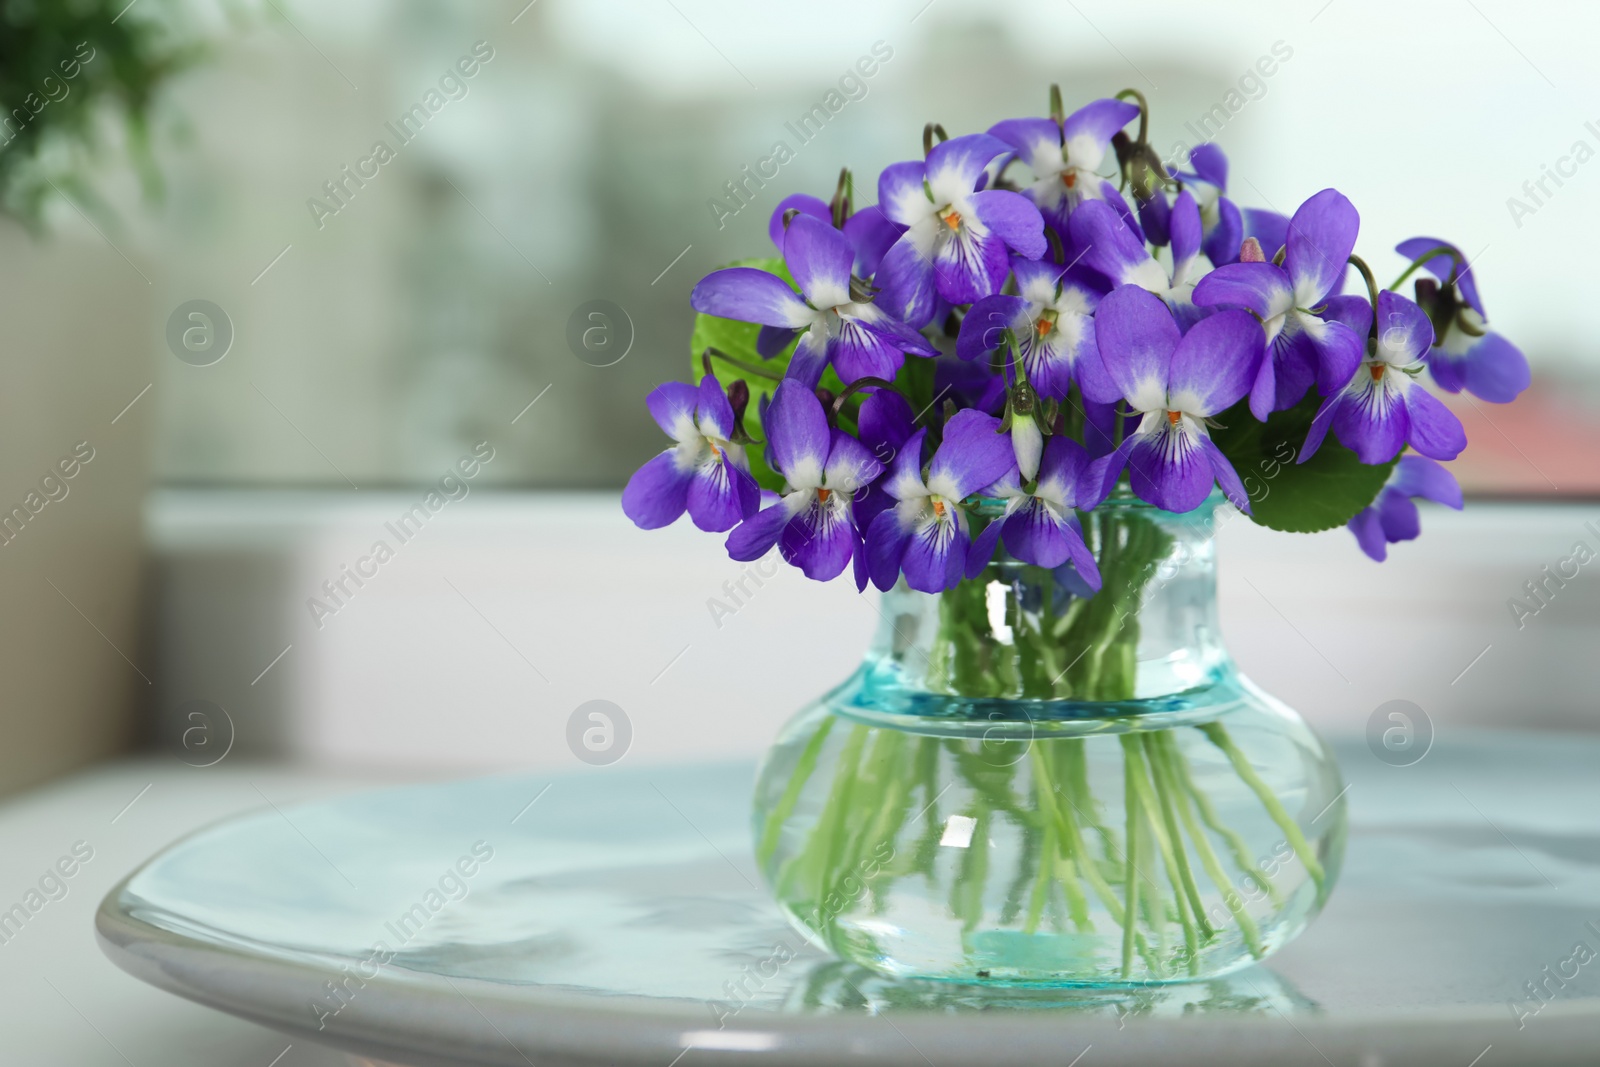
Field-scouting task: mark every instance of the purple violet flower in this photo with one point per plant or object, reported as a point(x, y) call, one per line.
point(1041, 527)
point(926, 535)
point(812, 523)
point(1381, 409)
point(1052, 321)
point(1175, 381)
point(705, 473)
point(957, 233)
point(858, 338)
point(1466, 355)
point(1301, 346)
point(1393, 517)
point(1065, 159)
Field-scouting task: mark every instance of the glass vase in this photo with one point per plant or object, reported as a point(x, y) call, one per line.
point(1027, 783)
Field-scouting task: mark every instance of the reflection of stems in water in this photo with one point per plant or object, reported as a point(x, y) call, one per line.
point(804, 766)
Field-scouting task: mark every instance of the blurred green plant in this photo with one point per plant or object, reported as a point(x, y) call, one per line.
point(78, 77)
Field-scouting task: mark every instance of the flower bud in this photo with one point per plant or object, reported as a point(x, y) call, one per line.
point(1027, 441)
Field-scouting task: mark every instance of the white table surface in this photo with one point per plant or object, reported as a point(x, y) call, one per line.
point(96, 1015)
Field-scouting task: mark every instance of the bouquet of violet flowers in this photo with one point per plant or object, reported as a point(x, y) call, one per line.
point(1005, 326)
point(1002, 387)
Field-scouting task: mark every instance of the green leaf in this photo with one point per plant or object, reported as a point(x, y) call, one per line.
point(1322, 493)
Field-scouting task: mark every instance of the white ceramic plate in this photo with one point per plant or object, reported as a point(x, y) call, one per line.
point(614, 916)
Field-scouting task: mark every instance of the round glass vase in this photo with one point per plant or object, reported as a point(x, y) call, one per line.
point(1024, 784)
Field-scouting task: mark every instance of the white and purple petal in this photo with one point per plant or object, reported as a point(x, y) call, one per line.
point(1036, 141)
point(1404, 330)
point(1321, 237)
point(810, 358)
point(936, 552)
point(721, 494)
point(1186, 233)
point(798, 439)
point(1137, 337)
point(1013, 218)
point(1087, 132)
point(713, 412)
point(821, 538)
point(672, 405)
point(972, 455)
point(1419, 476)
point(1488, 366)
point(750, 295)
point(754, 537)
point(819, 258)
point(902, 197)
point(1167, 464)
point(658, 492)
point(1215, 363)
point(1109, 247)
point(1034, 534)
point(1331, 347)
point(904, 478)
point(1261, 287)
point(851, 465)
point(1432, 428)
point(1371, 419)
point(954, 167)
point(906, 278)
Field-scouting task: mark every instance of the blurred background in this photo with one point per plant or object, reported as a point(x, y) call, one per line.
point(277, 267)
point(275, 275)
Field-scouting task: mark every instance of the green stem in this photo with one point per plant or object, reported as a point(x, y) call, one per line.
point(1167, 788)
point(1218, 735)
point(1133, 755)
point(1237, 846)
point(1208, 860)
point(1044, 866)
point(1130, 874)
point(1055, 822)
